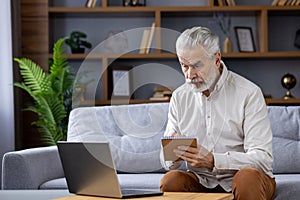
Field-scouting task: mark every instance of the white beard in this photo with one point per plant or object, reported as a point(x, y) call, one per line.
point(208, 84)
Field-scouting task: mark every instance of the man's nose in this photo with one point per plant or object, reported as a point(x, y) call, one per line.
point(191, 71)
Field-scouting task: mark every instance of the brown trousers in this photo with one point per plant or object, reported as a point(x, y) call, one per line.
point(247, 184)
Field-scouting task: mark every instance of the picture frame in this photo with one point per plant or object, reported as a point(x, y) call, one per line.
point(245, 39)
point(120, 82)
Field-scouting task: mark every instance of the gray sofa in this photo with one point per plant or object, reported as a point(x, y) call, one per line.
point(134, 133)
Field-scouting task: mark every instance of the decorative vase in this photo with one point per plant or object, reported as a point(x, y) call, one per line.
point(227, 45)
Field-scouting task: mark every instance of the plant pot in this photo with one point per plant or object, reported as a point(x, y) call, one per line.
point(78, 50)
point(227, 45)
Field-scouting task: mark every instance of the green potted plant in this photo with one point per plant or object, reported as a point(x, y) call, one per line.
point(76, 43)
point(51, 93)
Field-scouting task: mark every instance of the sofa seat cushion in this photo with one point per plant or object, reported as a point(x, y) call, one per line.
point(59, 183)
point(140, 181)
point(127, 181)
point(287, 186)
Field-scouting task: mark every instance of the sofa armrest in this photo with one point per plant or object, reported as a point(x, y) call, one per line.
point(28, 169)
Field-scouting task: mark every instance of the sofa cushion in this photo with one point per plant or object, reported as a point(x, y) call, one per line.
point(127, 181)
point(133, 131)
point(140, 181)
point(59, 183)
point(286, 138)
point(287, 186)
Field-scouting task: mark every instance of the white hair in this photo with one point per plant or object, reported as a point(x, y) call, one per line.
point(198, 36)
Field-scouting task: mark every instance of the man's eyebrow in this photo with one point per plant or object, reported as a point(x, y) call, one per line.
point(199, 62)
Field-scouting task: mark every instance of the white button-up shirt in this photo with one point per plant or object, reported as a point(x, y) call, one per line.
point(232, 123)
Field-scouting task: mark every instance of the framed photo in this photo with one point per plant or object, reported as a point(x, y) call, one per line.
point(245, 39)
point(119, 82)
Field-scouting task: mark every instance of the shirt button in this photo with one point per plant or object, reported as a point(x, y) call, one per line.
point(208, 117)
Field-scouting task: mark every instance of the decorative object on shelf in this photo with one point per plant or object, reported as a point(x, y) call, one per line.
point(75, 42)
point(297, 38)
point(119, 82)
point(116, 42)
point(227, 45)
point(245, 39)
point(134, 2)
point(224, 23)
point(288, 81)
point(52, 94)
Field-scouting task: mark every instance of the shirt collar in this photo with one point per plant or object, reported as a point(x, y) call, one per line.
point(222, 77)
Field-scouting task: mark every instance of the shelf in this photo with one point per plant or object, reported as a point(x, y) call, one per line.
point(119, 56)
point(171, 9)
point(287, 102)
point(173, 56)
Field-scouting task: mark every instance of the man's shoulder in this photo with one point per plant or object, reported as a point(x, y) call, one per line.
point(242, 82)
point(184, 88)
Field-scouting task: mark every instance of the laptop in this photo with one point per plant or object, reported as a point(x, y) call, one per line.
point(89, 170)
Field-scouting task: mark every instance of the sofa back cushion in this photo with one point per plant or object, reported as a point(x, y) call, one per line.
point(286, 138)
point(133, 131)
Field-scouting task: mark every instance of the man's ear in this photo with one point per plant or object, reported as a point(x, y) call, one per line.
point(218, 60)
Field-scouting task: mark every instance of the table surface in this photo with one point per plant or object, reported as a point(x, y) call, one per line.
point(65, 195)
point(33, 194)
point(166, 196)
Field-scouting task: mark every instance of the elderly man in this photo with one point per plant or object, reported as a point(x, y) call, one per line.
point(228, 116)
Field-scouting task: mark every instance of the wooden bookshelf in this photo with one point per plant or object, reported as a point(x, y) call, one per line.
point(261, 14)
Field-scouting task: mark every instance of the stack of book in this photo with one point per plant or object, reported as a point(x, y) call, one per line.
point(162, 93)
point(286, 3)
point(147, 39)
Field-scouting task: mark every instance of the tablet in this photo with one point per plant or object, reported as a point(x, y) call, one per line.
point(170, 143)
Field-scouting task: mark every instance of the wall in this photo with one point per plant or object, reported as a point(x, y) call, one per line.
point(6, 80)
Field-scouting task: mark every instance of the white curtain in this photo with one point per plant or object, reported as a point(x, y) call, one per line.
point(6, 81)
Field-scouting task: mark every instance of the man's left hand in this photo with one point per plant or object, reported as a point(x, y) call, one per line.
point(197, 157)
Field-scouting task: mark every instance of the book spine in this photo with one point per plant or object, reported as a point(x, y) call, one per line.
point(150, 38)
point(144, 41)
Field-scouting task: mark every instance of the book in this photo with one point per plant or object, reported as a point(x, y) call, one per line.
point(169, 143)
point(220, 2)
point(144, 41)
point(94, 3)
point(232, 2)
point(228, 3)
point(282, 2)
point(162, 89)
point(150, 38)
point(88, 3)
point(293, 3)
point(275, 2)
point(159, 98)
